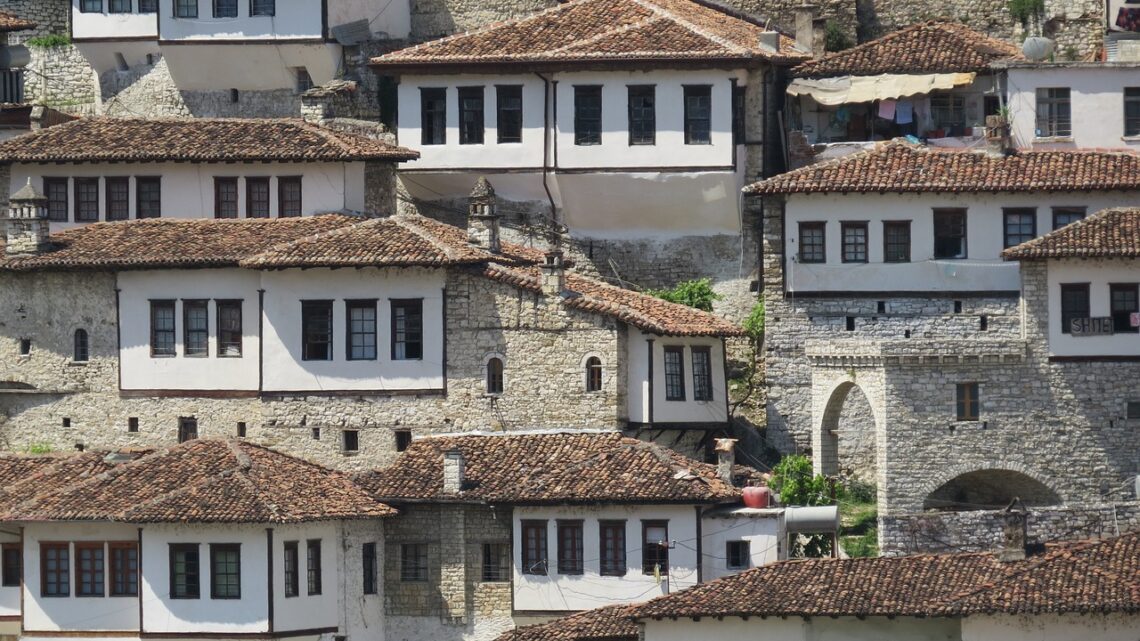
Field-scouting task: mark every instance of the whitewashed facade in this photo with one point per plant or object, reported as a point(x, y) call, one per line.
point(1089, 104)
point(1103, 281)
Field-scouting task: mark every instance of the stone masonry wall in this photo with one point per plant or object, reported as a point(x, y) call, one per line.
point(60, 77)
point(50, 16)
point(543, 348)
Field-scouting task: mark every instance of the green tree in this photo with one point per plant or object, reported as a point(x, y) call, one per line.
point(694, 293)
point(793, 480)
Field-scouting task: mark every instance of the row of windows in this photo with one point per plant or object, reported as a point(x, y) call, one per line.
point(1123, 301)
point(118, 6)
point(292, 573)
point(100, 568)
point(1019, 224)
point(116, 202)
point(257, 201)
point(675, 373)
point(223, 8)
point(611, 545)
point(196, 328)
point(1055, 111)
point(406, 340)
point(641, 111)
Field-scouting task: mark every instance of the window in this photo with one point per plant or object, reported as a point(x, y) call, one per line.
point(655, 547)
point(736, 555)
point(813, 243)
point(1132, 409)
point(119, 6)
point(148, 6)
point(91, 6)
point(124, 568)
point(292, 583)
point(187, 428)
point(674, 373)
point(224, 8)
point(241, 430)
point(55, 569)
point(1074, 304)
point(350, 440)
point(185, 573)
point(257, 197)
point(967, 400)
point(1124, 303)
point(896, 241)
point(148, 197)
point(698, 114)
point(611, 536)
point(25, 346)
point(593, 374)
point(133, 424)
point(949, 233)
point(642, 115)
point(86, 200)
point(1020, 225)
point(1132, 111)
point(413, 562)
point(229, 329)
point(185, 8)
point(408, 329)
point(225, 197)
point(361, 316)
point(587, 115)
point(1054, 112)
point(470, 115)
point(569, 547)
point(316, 330)
point(11, 565)
point(1067, 215)
point(495, 375)
point(854, 242)
point(433, 116)
point(81, 353)
point(57, 206)
point(508, 100)
point(947, 111)
point(90, 569)
point(533, 547)
point(162, 328)
point(195, 328)
point(496, 562)
point(289, 196)
point(738, 108)
point(702, 374)
point(262, 7)
point(369, 568)
point(313, 565)
point(304, 81)
point(118, 198)
point(225, 571)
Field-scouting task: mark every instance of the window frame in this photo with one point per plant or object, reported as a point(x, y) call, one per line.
point(216, 590)
point(257, 8)
point(1079, 212)
point(648, 558)
point(189, 334)
point(218, 14)
point(947, 110)
point(308, 330)
point(255, 207)
point(143, 204)
point(148, 6)
point(90, 6)
point(185, 8)
point(287, 205)
point(291, 569)
point(313, 567)
point(11, 572)
point(369, 569)
point(351, 305)
point(613, 559)
point(946, 212)
point(495, 379)
point(60, 187)
point(1017, 216)
point(188, 594)
point(62, 573)
point(675, 380)
point(1057, 119)
point(496, 562)
point(1131, 122)
point(1132, 410)
point(81, 346)
point(594, 379)
point(744, 559)
point(155, 306)
point(571, 546)
point(533, 559)
point(123, 574)
point(90, 582)
point(703, 374)
point(113, 204)
point(225, 340)
point(853, 247)
point(1123, 324)
point(1084, 311)
point(692, 120)
point(739, 114)
point(350, 441)
point(433, 110)
point(86, 202)
point(226, 207)
point(187, 428)
point(415, 564)
point(889, 243)
point(641, 118)
point(413, 333)
point(967, 402)
point(588, 127)
point(802, 255)
point(504, 120)
point(472, 119)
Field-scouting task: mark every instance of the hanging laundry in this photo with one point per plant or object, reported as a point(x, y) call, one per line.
point(904, 113)
point(842, 114)
point(887, 109)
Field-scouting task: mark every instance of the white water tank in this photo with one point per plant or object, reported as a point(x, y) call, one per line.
point(1037, 48)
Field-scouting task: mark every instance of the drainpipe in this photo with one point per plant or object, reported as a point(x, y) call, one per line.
point(548, 87)
point(649, 343)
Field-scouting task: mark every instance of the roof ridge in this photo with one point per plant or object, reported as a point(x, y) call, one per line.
point(286, 245)
point(451, 253)
point(608, 33)
point(728, 44)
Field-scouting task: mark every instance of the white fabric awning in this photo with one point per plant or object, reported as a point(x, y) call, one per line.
point(888, 86)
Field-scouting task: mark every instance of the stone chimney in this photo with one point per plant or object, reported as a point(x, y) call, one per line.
point(809, 31)
point(770, 40)
point(482, 217)
point(26, 228)
point(725, 458)
point(1014, 525)
point(453, 465)
point(553, 273)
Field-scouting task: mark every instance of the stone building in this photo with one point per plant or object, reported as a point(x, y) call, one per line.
point(183, 328)
point(901, 348)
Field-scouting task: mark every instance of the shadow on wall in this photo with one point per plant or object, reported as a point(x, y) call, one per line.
point(989, 490)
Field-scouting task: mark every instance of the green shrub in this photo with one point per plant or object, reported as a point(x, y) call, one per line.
point(48, 41)
point(39, 448)
point(694, 293)
point(754, 324)
point(866, 545)
point(793, 479)
point(862, 492)
point(1023, 10)
point(835, 38)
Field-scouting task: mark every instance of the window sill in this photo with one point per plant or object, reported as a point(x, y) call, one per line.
point(77, 364)
point(1130, 138)
point(1052, 139)
point(350, 452)
point(490, 395)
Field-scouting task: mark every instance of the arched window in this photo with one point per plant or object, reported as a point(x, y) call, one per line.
point(81, 348)
point(593, 374)
point(495, 375)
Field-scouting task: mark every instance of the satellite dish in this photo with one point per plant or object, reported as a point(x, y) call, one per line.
point(1037, 48)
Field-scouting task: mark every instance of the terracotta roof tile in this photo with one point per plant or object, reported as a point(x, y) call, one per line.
point(603, 31)
point(10, 22)
point(928, 47)
point(200, 481)
point(195, 140)
point(1111, 233)
point(550, 468)
point(23, 476)
point(612, 623)
point(900, 166)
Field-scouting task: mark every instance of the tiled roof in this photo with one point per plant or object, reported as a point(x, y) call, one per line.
point(900, 166)
point(611, 623)
point(928, 47)
point(641, 32)
point(195, 140)
point(550, 468)
point(1102, 576)
point(22, 477)
point(201, 481)
point(1111, 233)
point(9, 22)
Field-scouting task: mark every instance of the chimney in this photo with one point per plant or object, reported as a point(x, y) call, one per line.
point(26, 228)
point(725, 458)
point(553, 273)
point(1014, 523)
point(482, 218)
point(770, 40)
point(806, 36)
point(453, 465)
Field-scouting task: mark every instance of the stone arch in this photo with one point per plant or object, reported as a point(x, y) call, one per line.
point(830, 395)
point(988, 488)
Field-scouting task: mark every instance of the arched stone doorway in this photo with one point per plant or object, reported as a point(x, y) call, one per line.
point(989, 489)
point(848, 423)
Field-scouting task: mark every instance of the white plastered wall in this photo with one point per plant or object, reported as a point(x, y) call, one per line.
point(1096, 99)
point(112, 25)
point(9, 595)
point(305, 611)
point(1051, 627)
point(982, 270)
point(761, 532)
point(1098, 274)
point(799, 629)
point(685, 411)
point(291, 20)
point(363, 614)
point(555, 592)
